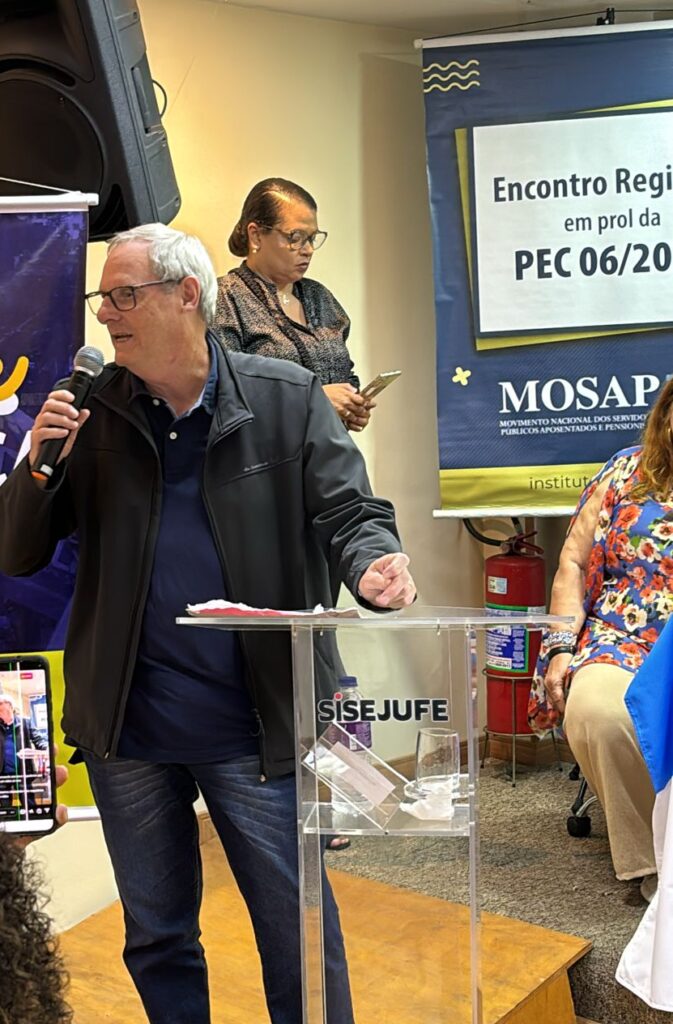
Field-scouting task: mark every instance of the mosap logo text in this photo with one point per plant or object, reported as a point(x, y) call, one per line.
point(411, 709)
point(585, 393)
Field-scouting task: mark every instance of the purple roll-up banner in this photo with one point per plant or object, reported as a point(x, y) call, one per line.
point(42, 267)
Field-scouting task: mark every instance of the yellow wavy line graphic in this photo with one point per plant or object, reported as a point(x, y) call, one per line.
point(452, 64)
point(454, 85)
point(452, 74)
point(15, 379)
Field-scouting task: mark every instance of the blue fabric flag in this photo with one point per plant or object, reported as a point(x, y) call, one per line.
point(646, 965)
point(649, 700)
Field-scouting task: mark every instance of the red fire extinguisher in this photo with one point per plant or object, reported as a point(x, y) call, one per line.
point(514, 581)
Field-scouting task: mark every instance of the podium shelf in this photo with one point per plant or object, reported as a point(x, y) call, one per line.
point(321, 820)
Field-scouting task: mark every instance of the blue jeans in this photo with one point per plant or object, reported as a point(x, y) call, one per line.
point(151, 834)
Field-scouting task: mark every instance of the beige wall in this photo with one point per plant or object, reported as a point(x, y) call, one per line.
point(338, 108)
point(77, 872)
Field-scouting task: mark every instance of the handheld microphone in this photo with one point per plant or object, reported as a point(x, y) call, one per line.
point(87, 365)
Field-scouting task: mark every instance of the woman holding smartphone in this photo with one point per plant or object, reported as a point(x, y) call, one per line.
point(268, 307)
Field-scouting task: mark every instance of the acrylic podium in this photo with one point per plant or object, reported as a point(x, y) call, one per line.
point(409, 960)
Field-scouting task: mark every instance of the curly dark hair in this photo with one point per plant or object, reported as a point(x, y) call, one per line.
point(32, 973)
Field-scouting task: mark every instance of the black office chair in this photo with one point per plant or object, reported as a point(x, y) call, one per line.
point(579, 822)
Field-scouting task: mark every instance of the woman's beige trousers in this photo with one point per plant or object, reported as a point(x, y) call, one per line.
point(601, 735)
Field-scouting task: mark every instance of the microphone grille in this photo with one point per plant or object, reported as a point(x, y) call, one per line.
point(89, 359)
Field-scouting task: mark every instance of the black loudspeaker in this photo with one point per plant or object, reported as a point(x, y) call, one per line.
point(78, 110)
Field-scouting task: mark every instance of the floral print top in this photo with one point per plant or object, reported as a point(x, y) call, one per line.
point(627, 596)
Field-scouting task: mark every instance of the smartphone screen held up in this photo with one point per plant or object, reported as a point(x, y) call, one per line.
point(27, 785)
point(376, 386)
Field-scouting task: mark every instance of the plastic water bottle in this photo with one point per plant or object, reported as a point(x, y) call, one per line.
point(356, 731)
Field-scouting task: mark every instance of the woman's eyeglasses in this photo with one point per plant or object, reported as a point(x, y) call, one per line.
point(298, 239)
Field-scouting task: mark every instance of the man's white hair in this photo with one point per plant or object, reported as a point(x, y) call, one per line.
point(173, 255)
point(6, 699)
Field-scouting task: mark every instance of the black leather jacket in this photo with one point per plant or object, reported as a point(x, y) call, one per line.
point(292, 514)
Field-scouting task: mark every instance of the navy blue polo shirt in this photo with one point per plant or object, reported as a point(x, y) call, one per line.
point(188, 701)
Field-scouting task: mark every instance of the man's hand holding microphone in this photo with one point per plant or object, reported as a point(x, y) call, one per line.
point(63, 413)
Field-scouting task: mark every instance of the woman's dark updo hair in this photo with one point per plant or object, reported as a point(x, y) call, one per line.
point(263, 205)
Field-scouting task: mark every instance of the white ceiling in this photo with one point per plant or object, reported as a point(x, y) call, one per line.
point(439, 17)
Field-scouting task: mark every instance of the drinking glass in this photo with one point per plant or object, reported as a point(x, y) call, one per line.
point(437, 760)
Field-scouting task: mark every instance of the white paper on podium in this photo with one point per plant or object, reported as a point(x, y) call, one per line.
point(361, 776)
point(221, 607)
point(431, 808)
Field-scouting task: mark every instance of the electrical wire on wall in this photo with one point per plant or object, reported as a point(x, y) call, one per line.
point(163, 92)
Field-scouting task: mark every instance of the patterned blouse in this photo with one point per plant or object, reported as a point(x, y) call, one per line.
point(627, 596)
point(250, 318)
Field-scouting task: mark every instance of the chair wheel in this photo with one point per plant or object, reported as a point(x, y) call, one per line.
point(579, 828)
point(574, 773)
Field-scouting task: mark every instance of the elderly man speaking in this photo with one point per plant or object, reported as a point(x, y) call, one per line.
point(196, 473)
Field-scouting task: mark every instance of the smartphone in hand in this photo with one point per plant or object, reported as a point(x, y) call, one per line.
point(27, 782)
point(379, 382)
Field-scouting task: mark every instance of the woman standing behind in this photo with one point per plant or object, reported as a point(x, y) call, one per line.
point(267, 306)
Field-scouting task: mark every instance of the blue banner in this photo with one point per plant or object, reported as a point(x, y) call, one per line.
point(42, 264)
point(550, 163)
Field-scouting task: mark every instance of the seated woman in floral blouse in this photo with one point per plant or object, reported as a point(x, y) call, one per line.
point(268, 307)
point(614, 578)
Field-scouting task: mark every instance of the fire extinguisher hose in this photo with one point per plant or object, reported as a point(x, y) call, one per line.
point(474, 532)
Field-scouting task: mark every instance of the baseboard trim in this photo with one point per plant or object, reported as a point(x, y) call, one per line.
point(530, 750)
point(206, 827)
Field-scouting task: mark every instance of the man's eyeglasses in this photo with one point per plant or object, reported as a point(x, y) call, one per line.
point(123, 297)
point(298, 239)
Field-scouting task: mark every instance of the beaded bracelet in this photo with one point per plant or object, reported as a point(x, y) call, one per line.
point(561, 649)
point(563, 637)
